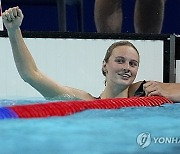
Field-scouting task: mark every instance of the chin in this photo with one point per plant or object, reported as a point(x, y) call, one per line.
point(125, 82)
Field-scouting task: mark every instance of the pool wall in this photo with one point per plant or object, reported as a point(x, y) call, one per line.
point(75, 60)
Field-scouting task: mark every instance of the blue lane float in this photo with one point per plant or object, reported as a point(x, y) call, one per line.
point(64, 108)
point(6, 112)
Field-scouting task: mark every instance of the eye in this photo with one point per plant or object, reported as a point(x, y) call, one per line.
point(133, 63)
point(120, 60)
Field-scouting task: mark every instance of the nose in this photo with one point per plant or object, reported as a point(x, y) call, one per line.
point(126, 66)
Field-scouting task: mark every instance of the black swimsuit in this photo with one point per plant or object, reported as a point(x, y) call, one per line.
point(140, 91)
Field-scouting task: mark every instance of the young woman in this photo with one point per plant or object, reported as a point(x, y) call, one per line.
point(120, 67)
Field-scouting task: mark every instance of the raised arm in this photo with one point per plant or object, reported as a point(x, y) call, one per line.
point(12, 19)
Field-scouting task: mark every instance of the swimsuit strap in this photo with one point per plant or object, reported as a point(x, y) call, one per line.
point(98, 97)
point(140, 91)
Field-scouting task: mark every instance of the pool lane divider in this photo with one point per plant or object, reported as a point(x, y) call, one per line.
point(64, 108)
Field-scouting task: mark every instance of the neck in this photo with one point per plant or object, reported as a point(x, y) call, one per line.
point(113, 92)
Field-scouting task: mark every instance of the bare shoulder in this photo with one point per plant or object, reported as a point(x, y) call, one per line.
point(77, 93)
point(133, 87)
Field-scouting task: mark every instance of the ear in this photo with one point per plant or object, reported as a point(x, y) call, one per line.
point(104, 67)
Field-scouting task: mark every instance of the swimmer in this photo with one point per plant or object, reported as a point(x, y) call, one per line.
point(120, 67)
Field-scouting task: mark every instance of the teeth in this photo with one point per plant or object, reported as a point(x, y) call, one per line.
point(125, 75)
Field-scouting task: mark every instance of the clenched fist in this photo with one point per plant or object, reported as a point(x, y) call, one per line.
point(12, 18)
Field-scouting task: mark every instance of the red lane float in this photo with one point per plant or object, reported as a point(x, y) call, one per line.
point(63, 108)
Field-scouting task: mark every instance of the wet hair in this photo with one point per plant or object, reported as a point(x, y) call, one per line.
point(112, 47)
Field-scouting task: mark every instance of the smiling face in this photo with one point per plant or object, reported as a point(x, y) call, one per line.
point(122, 66)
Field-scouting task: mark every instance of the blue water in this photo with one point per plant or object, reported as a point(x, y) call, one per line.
point(92, 131)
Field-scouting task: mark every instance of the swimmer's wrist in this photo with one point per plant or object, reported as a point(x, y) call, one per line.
point(13, 31)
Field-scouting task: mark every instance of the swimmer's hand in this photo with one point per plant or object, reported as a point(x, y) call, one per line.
point(154, 88)
point(12, 18)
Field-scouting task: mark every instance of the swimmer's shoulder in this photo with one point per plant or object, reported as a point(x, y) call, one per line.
point(86, 96)
point(77, 93)
point(133, 88)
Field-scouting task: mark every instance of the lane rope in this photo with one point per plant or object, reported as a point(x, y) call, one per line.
point(64, 108)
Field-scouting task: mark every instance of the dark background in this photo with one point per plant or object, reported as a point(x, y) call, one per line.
point(45, 18)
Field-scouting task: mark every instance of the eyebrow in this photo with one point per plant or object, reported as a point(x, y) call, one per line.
point(125, 58)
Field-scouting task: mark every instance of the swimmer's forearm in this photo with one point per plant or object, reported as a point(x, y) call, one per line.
point(168, 90)
point(174, 91)
point(23, 59)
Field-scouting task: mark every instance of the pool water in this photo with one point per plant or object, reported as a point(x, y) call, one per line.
point(93, 131)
